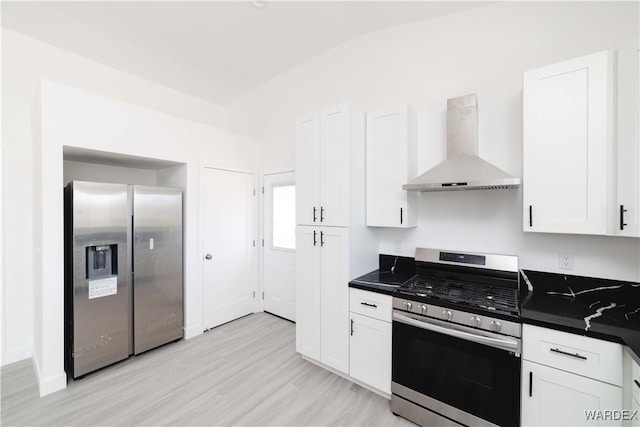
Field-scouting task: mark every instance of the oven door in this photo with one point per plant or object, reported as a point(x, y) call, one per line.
point(454, 374)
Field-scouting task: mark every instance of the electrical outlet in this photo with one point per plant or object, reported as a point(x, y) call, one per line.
point(565, 261)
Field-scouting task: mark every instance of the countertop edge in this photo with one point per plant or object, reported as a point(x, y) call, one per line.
point(379, 289)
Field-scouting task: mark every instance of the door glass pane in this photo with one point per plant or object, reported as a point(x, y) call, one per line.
point(283, 217)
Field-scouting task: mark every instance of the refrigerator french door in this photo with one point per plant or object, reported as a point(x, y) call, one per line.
point(123, 272)
point(157, 266)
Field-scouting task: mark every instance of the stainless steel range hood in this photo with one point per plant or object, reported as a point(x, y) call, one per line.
point(463, 169)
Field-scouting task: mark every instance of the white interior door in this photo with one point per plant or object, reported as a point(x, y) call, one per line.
point(280, 245)
point(229, 264)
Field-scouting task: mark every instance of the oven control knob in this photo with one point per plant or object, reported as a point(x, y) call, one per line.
point(495, 326)
point(423, 309)
point(447, 314)
point(407, 305)
point(476, 321)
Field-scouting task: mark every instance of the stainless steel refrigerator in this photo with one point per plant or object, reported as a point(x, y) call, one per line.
point(123, 272)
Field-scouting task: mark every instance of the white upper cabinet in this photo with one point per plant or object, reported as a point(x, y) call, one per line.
point(324, 165)
point(568, 153)
point(308, 169)
point(627, 215)
point(391, 162)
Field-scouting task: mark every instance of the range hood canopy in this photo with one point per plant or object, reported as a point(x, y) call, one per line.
point(462, 169)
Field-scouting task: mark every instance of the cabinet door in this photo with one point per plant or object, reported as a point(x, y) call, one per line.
point(334, 274)
point(308, 169)
point(551, 397)
point(370, 352)
point(568, 146)
point(335, 165)
point(390, 164)
point(308, 291)
point(627, 217)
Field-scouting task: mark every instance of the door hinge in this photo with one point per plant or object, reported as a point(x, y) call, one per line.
point(262, 294)
point(254, 243)
point(262, 190)
point(254, 294)
point(254, 191)
point(263, 243)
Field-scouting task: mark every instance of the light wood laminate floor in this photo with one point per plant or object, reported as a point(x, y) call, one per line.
point(243, 373)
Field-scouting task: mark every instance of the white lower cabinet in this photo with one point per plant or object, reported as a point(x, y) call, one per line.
point(635, 409)
point(370, 347)
point(631, 390)
point(370, 341)
point(570, 380)
point(551, 397)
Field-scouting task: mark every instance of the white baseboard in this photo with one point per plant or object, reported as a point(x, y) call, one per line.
point(49, 385)
point(16, 355)
point(192, 331)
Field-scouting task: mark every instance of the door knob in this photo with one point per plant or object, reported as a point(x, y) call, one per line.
point(208, 256)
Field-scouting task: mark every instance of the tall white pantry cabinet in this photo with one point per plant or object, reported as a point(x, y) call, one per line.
point(333, 244)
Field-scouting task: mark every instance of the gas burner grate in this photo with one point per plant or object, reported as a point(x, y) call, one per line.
point(490, 298)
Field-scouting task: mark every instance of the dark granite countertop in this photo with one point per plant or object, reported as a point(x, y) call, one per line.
point(393, 271)
point(599, 308)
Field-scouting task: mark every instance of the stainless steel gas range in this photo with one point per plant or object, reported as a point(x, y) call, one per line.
point(457, 341)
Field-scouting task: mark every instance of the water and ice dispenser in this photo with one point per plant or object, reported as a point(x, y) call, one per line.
point(102, 270)
point(102, 261)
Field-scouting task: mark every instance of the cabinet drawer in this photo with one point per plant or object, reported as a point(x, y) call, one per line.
point(371, 304)
point(592, 358)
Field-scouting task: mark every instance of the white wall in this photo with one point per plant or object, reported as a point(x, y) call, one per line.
point(74, 118)
point(25, 61)
point(82, 171)
point(482, 50)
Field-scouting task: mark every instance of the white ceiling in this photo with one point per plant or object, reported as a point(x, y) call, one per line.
point(213, 50)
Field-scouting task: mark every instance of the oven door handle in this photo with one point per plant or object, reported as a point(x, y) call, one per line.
point(494, 342)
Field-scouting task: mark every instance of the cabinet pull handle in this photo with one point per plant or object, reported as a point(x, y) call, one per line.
point(576, 355)
point(530, 384)
point(530, 216)
point(351, 327)
point(622, 223)
point(369, 305)
point(315, 239)
point(637, 383)
point(322, 238)
point(321, 213)
point(314, 214)
point(400, 215)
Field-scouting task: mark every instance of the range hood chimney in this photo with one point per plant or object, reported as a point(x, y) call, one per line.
point(462, 169)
